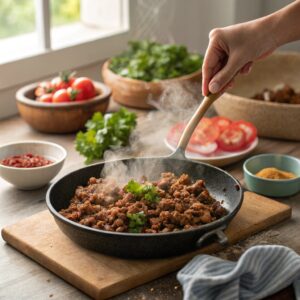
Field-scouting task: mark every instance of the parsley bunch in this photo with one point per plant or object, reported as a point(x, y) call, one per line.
point(151, 61)
point(104, 133)
point(146, 191)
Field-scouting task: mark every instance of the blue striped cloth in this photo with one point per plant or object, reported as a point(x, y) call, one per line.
point(261, 271)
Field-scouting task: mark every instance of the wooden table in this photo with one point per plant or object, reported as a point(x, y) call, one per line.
point(21, 278)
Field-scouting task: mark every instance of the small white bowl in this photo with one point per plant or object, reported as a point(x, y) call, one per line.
point(32, 178)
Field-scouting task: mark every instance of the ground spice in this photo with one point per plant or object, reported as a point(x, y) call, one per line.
point(274, 173)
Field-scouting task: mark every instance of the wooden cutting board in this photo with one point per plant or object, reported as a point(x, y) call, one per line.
point(102, 276)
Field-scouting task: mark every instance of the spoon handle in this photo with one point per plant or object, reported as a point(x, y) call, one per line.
point(194, 121)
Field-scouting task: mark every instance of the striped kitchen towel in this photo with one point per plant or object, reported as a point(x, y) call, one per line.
point(261, 271)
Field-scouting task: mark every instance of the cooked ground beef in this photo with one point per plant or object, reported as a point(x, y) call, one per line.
point(282, 94)
point(172, 203)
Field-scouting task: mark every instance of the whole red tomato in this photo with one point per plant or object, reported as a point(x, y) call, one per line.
point(44, 87)
point(75, 95)
point(47, 98)
point(63, 81)
point(86, 86)
point(60, 96)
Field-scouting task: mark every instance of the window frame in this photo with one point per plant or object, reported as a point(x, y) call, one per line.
point(50, 61)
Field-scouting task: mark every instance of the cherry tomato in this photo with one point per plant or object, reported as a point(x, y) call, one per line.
point(63, 81)
point(75, 95)
point(205, 132)
point(61, 96)
point(249, 130)
point(85, 85)
point(232, 138)
point(221, 122)
point(47, 98)
point(44, 87)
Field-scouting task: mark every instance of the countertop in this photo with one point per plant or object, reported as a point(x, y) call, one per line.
point(22, 278)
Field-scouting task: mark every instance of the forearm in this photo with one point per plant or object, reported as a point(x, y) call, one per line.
point(284, 25)
point(242, 44)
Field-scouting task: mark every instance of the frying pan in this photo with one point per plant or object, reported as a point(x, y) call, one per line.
point(220, 184)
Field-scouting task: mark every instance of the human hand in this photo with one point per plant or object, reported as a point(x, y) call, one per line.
point(232, 50)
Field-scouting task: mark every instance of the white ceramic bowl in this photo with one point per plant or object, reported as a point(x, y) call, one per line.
point(32, 178)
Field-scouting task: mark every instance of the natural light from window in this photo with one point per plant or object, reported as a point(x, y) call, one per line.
point(31, 27)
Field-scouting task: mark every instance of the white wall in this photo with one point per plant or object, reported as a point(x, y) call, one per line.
point(189, 21)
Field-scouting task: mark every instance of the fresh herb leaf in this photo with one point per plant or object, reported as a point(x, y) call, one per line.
point(136, 222)
point(151, 61)
point(109, 132)
point(147, 191)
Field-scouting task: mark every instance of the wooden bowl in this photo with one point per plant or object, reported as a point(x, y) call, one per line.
point(60, 117)
point(273, 120)
point(138, 93)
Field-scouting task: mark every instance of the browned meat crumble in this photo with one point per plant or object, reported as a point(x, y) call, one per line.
point(180, 204)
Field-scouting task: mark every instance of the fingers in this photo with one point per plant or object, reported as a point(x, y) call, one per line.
point(228, 86)
point(212, 63)
point(225, 75)
point(246, 69)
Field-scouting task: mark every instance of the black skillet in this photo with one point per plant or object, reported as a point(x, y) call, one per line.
point(140, 245)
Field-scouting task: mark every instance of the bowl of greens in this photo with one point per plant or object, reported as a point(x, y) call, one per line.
point(139, 74)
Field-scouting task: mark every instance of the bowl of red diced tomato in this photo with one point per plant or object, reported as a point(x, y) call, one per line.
point(62, 104)
point(217, 140)
point(30, 165)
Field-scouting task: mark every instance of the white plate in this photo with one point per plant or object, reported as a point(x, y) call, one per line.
point(218, 158)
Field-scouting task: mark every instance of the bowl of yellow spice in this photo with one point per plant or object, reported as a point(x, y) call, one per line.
point(274, 175)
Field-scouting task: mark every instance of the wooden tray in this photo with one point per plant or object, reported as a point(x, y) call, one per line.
point(102, 276)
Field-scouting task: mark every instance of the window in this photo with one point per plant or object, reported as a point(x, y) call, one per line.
point(17, 20)
point(45, 36)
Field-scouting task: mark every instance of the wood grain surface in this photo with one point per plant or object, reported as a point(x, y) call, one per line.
point(21, 278)
point(102, 276)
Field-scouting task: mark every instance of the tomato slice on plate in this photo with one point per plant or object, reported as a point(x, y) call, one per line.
point(206, 149)
point(175, 133)
point(249, 129)
point(221, 122)
point(206, 132)
point(232, 138)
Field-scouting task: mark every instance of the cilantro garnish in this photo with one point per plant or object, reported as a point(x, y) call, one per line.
point(146, 191)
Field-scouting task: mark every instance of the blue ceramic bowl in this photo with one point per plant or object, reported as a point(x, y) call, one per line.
point(272, 187)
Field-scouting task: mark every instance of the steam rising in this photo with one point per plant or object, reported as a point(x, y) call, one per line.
point(177, 103)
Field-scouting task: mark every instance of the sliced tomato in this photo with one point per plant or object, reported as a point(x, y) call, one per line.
point(175, 133)
point(222, 122)
point(232, 138)
point(249, 129)
point(206, 149)
point(206, 132)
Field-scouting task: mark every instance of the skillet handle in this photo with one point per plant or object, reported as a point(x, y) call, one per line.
point(222, 238)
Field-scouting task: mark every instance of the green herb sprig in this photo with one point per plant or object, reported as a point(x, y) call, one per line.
point(136, 222)
point(102, 133)
point(146, 191)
